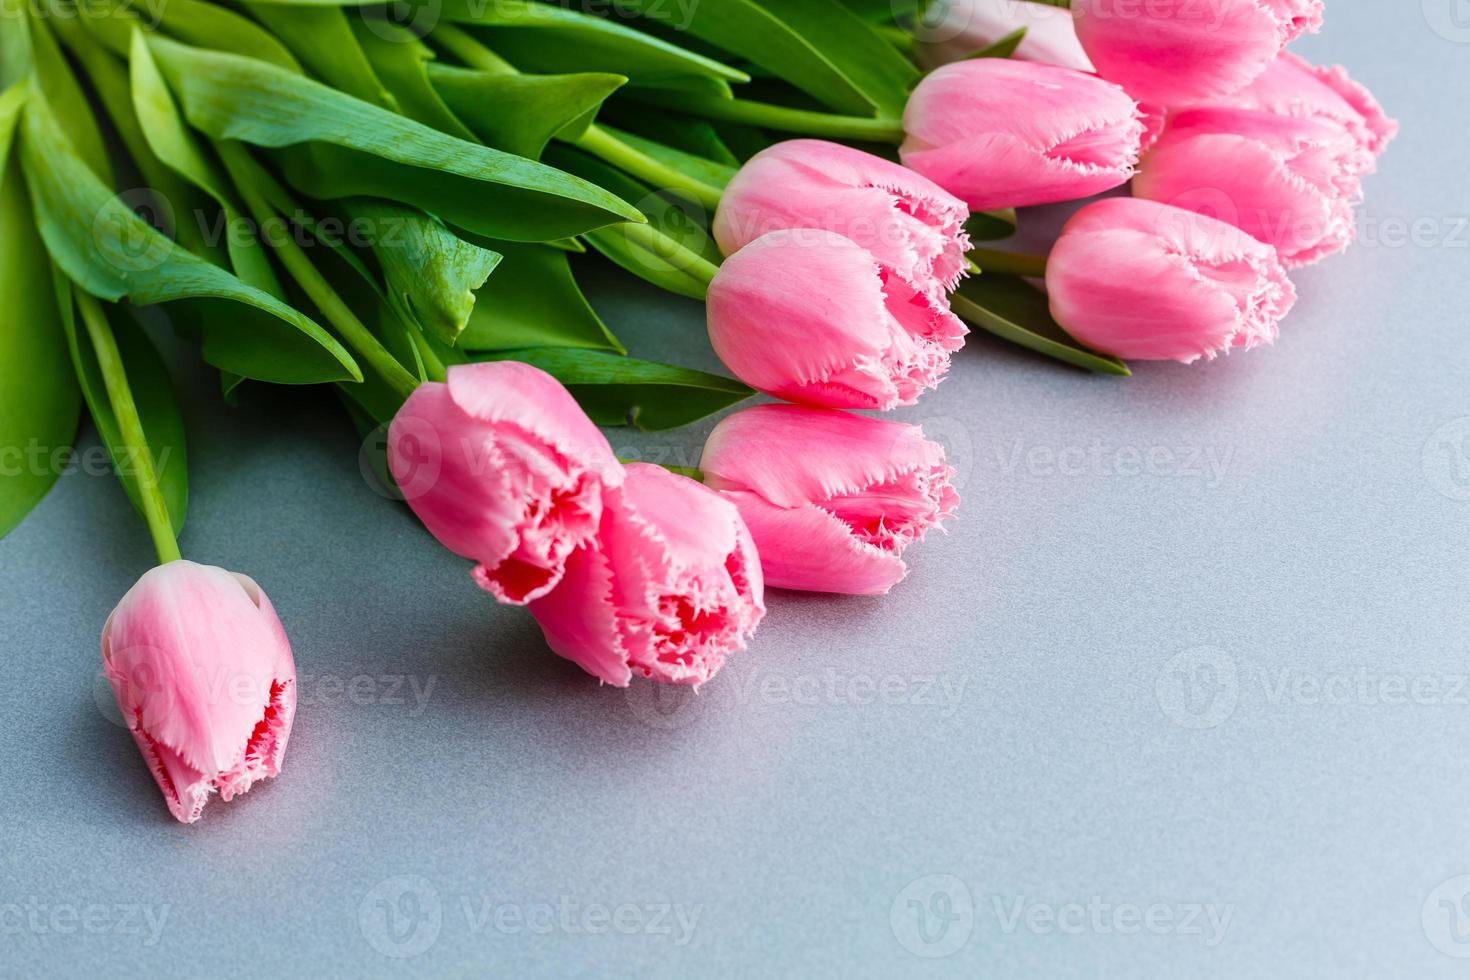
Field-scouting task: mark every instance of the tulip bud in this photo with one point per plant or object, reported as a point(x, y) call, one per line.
point(1293, 86)
point(810, 316)
point(1291, 183)
point(204, 678)
point(1178, 54)
point(999, 133)
point(912, 226)
point(504, 468)
point(952, 30)
point(671, 586)
point(832, 499)
point(1145, 281)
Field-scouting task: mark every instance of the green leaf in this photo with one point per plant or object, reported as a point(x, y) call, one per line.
point(402, 62)
point(704, 170)
point(548, 38)
point(819, 46)
point(615, 390)
point(1004, 47)
point(521, 113)
point(431, 274)
point(39, 402)
point(344, 147)
point(322, 39)
point(113, 254)
point(153, 393)
point(696, 136)
point(58, 86)
point(533, 301)
point(1011, 309)
point(670, 260)
point(207, 25)
point(989, 226)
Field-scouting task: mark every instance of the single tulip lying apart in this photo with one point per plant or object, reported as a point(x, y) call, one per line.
point(1292, 183)
point(953, 30)
point(999, 133)
point(810, 316)
point(204, 678)
point(911, 225)
point(504, 468)
point(831, 498)
point(671, 586)
point(1145, 281)
point(1293, 86)
point(1178, 54)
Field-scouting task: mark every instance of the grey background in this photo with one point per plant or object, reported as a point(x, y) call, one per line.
point(1121, 680)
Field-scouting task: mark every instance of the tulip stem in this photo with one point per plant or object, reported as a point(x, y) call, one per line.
point(463, 45)
point(1008, 263)
point(600, 143)
point(134, 449)
point(665, 247)
point(778, 117)
point(247, 173)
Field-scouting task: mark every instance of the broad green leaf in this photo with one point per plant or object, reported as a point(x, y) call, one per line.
point(39, 403)
point(1011, 309)
point(16, 63)
point(207, 25)
point(323, 41)
point(543, 37)
point(819, 46)
point(533, 301)
point(58, 86)
point(344, 147)
point(431, 274)
point(402, 62)
point(153, 394)
point(989, 226)
point(670, 251)
point(615, 390)
point(113, 254)
point(521, 113)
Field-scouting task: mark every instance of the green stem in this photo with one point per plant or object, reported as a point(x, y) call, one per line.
point(777, 117)
point(463, 45)
point(696, 266)
point(130, 428)
point(312, 282)
point(600, 143)
point(1009, 263)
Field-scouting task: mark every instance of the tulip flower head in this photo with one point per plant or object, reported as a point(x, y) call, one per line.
point(832, 499)
point(999, 133)
point(669, 589)
point(913, 227)
point(810, 316)
point(504, 468)
point(1146, 281)
point(1291, 183)
point(1293, 86)
point(1182, 53)
point(952, 30)
point(204, 678)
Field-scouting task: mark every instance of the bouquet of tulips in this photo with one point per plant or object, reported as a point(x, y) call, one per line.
point(387, 198)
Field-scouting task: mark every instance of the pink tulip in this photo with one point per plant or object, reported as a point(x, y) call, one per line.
point(1179, 52)
point(999, 133)
point(1291, 183)
point(504, 468)
point(832, 499)
point(669, 589)
point(1293, 86)
point(1146, 281)
point(956, 29)
point(203, 675)
point(912, 226)
point(813, 317)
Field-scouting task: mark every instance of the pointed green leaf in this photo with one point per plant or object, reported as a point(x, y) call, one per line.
point(323, 41)
point(988, 226)
point(521, 113)
point(207, 25)
point(1003, 47)
point(1011, 309)
point(533, 301)
point(402, 62)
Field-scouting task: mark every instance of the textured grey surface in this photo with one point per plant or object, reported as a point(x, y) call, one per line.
point(1183, 693)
